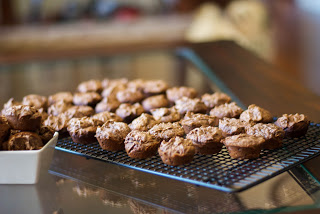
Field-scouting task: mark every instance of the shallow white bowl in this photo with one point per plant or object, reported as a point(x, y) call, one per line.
point(23, 167)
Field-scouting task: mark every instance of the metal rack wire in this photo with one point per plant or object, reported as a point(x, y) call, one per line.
point(218, 171)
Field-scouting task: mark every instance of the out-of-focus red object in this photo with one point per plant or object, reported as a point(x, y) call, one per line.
point(127, 13)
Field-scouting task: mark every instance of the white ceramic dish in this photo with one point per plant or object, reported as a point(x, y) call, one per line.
point(23, 167)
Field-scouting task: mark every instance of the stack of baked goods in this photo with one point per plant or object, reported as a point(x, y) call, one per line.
point(148, 117)
point(21, 128)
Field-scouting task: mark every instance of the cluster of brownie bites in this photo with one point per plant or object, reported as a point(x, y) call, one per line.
point(148, 117)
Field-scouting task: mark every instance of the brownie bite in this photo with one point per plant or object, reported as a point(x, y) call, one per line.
point(112, 90)
point(57, 123)
point(23, 117)
point(106, 116)
point(4, 129)
point(141, 145)
point(272, 134)
point(36, 101)
point(111, 135)
point(137, 83)
point(154, 87)
point(46, 133)
point(63, 96)
point(231, 126)
point(230, 110)
point(166, 114)
point(256, 114)
point(215, 99)
point(83, 130)
point(294, 125)
point(143, 123)
point(112, 82)
point(107, 104)
point(130, 95)
point(58, 107)
point(192, 121)
point(90, 86)
point(207, 140)
point(129, 112)
point(86, 98)
point(11, 102)
point(24, 141)
point(244, 146)
point(177, 93)
point(186, 104)
point(166, 131)
point(153, 102)
point(176, 151)
point(79, 111)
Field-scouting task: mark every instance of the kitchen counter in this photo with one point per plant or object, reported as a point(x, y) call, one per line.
point(76, 184)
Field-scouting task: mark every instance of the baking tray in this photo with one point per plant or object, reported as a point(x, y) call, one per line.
point(218, 171)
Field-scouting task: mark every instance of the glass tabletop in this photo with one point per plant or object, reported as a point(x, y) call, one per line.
point(78, 184)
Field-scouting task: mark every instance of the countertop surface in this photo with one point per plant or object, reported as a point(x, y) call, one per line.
point(76, 184)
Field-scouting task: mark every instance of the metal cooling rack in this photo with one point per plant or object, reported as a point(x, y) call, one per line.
point(218, 171)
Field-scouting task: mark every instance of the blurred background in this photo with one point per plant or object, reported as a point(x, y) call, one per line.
point(283, 32)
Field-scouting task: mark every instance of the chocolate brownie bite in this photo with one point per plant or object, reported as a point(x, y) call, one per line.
point(166, 131)
point(106, 116)
point(111, 135)
point(143, 123)
point(129, 112)
point(294, 125)
point(107, 104)
point(230, 110)
point(130, 95)
point(112, 82)
point(154, 87)
point(23, 117)
point(46, 133)
point(244, 146)
point(166, 114)
point(86, 98)
point(138, 84)
point(256, 114)
point(272, 134)
point(153, 102)
point(4, 129)
point(58, 107)
point(79, 111)
point(140, 144)
point(192, 121)
point(57, 123)
point(207, 140)
point(112, 90)
point(186, 104)
point(232, 126)
point(83, 130)
point(11, 102)
point(176, 151)
point(90, 86)
point(36, 101)
point(177, 93)
point(63, 96)
point(24, 141)
point(215, 99)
